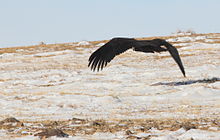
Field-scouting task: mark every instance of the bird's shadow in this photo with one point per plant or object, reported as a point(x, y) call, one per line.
point(188, 82)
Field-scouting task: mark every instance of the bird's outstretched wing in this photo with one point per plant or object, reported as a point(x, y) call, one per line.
point(174, 53)
point(108, 51)
point(155, 45)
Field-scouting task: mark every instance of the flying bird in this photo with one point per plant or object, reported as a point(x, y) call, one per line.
point(99, 59)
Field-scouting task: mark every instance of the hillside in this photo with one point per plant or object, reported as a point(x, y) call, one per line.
point(137, 95)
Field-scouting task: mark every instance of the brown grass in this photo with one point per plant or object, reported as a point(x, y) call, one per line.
point(65, 46)
point(77, 126)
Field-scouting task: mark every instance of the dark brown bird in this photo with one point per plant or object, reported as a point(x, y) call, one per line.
point(116, 46)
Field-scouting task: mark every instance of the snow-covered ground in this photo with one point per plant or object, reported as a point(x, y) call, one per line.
point(56, 85)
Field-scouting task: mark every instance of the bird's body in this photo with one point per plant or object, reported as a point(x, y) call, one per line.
point(99, 59)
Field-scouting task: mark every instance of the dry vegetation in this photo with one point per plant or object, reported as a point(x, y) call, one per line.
point(82, 127)
point(70, 46)
point(79, 127)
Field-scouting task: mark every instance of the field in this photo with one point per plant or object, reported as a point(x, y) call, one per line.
point(48, 91)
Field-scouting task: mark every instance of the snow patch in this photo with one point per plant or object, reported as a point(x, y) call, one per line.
point(187, 39)
point(83, 43)
point(57, 85)
point(100, 44)
point(44, 54)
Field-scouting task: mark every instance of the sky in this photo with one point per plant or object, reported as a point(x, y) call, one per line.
point(29, 22)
